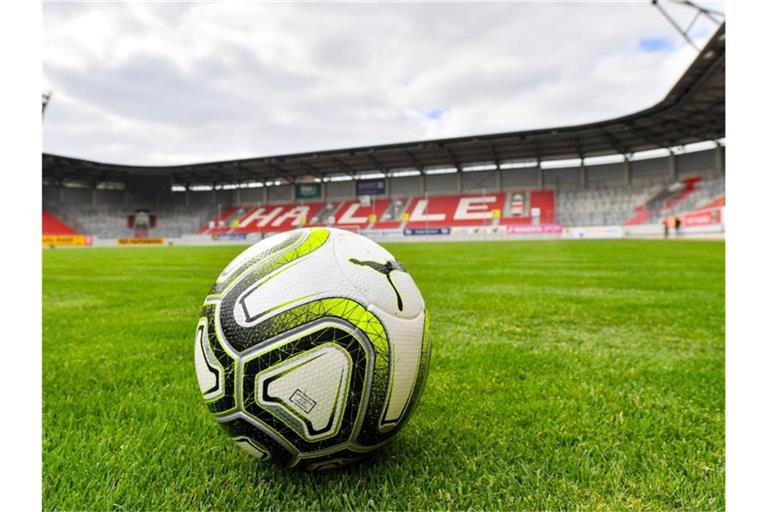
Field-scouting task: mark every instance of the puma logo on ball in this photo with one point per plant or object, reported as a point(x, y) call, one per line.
point(386, 269)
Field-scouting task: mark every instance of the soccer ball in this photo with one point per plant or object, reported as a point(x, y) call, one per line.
point(313, 348)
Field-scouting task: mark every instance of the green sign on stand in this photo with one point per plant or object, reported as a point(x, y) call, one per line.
point(307, 191)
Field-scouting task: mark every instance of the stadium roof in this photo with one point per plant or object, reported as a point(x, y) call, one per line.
point(693, 111)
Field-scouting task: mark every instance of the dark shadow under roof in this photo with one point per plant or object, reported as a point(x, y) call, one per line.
point(692, 111)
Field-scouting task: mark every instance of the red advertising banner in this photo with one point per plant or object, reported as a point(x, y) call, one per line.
point(701, 218)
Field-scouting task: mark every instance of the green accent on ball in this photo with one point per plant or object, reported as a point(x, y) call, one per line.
point(361, 429)
point(226, 402)
point(358, 316)
point(217, 290)
point(261, 265)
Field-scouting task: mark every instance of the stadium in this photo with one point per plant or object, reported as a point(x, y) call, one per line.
point(578, 355)
point(502, 185)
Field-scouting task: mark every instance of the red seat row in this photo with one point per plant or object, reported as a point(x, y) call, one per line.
point(475, 210)
point(420, 212)
point(717, 203)
point(453, 210)
point(354, 214)
point(52, 225)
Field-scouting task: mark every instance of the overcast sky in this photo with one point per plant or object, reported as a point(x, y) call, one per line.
point(184, 83)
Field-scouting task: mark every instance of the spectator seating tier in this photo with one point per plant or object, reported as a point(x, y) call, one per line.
point(453, 210)
point(52, 225)
point(273, 217)
point(356, 214)
point(421, 212)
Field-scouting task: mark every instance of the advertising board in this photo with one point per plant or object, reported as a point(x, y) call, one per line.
point(375, 187)
point(140, 241)
point(66, 240)
point(426, 231)
point(593, 232)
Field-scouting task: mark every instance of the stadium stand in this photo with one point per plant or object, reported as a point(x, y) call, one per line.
point(420, 212)
point(52, 225)
point(453, 210)
point(601, 203)
point(354, 214)
point(222, 221)
point(602, 206)
point(491, 180)
point(719, 202)
point(110, 222)
point(275, 217)
point(697, 195)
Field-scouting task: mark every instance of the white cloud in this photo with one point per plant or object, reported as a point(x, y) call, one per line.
point(180, 83)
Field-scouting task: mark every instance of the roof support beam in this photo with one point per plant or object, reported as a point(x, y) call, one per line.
point(494, 153)
point(647, 135)
point(719, 158)
point(414, 161)
point(344, 167)
point(376, 163)
point(272, 166)
point(539, 174)
point(673, 166)
point(452, 157)
point(313, 171)
point(614, 143)
point(627, 171)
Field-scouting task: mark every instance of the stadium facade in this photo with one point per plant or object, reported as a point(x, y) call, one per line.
point(619, 177)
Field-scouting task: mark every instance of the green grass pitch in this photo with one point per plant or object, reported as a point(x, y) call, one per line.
point(565, 375)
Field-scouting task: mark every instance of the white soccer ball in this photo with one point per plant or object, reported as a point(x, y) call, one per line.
point(313, 348)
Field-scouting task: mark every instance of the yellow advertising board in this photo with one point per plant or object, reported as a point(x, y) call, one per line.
point(65, 240)
point(140, 241)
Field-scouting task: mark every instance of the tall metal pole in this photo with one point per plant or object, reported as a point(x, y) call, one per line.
point(714, 16)
point(46, 100)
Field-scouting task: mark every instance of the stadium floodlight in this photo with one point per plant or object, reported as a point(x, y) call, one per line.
point(312, 348)
point(46, 100)
point(713, 15)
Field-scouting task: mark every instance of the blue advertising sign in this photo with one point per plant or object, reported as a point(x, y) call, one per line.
point(229, 236)
point(377, 187)
point(428, 231)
